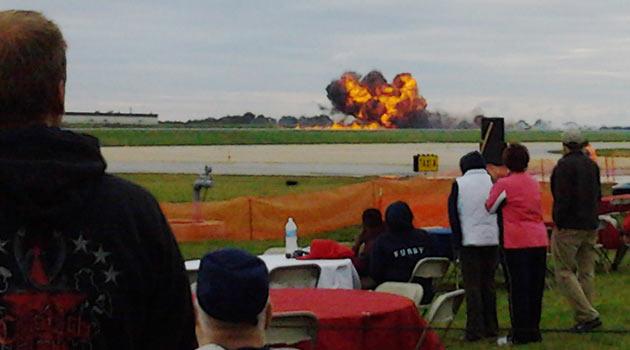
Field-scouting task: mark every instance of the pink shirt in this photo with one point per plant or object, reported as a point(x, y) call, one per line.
point(523, 225)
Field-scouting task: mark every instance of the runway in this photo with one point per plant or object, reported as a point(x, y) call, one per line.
point(335, 159)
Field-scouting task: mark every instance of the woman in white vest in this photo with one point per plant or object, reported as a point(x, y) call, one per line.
point(475, 241)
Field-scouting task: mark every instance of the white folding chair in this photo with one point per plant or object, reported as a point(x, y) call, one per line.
point(289, 328)
point(430, 268)
point(297, 276)
point(434, 268)
point(275, 251)
point(442, 311)
point(412, 291)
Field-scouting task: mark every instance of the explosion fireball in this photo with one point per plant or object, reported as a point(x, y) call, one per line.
point(376, 103)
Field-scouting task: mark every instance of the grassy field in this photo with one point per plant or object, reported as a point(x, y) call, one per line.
point(612, 301)
point(178, 187)
point(606, 152)
point(614, 152)
point(161, 137)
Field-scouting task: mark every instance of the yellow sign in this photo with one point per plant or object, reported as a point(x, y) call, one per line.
point(428, 162)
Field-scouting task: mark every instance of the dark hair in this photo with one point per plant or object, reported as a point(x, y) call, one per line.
point(516, 157)
point(399, 217)
point(32, 65)
point(372, 218)
point(472, 160)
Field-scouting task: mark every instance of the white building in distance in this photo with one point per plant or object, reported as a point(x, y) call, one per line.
point(110, 118)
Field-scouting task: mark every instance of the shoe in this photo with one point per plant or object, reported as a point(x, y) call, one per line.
point(504, 341)
point(587, 326)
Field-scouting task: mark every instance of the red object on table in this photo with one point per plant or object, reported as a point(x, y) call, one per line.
point(358, 319)
point(615, 203)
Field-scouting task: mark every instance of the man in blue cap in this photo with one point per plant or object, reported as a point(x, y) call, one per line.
point(232, 300)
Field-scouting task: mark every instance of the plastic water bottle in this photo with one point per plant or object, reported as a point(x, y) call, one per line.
point(290, 237)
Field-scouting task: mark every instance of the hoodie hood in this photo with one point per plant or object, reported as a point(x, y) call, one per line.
point(399, 217)
point(44, 173)
point(472, 160)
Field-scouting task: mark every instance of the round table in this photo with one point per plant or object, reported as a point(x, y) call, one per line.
point(358, 319)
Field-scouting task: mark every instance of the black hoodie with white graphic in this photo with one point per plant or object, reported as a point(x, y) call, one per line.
point(397, 251)
point(87, 260)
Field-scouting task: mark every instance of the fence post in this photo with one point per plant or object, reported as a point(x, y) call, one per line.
point(251, 219)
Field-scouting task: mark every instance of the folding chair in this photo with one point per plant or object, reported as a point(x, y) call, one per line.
point(609, 238)
point(291, 328)
point(443, 311)
point(430, 268)
point(412, 291)
point(297, 276)
point(275, 251)
point(434, 268)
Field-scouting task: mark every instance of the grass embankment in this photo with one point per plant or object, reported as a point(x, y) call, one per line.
point(161, 137)
point(613, 300)
point(178, 187)
point(606, 152)
point(614, 152)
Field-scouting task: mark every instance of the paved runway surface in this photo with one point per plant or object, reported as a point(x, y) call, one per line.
point(342, 159)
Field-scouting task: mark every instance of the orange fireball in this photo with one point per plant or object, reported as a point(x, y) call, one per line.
point(373, 101)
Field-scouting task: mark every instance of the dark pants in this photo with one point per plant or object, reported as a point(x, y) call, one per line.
point(526, 279)
point(478, 267)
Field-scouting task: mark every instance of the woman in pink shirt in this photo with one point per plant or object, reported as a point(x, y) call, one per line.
point(524, 244)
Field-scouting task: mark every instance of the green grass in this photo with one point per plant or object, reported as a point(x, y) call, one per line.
point(606, 152)
point(614, 152)
point(178, 187)
point(161, 137)
point(612, 301)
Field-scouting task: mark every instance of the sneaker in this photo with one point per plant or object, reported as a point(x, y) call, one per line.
point(504, 341)
point(586, 326)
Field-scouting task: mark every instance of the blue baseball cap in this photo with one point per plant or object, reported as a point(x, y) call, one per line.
point(232, 286)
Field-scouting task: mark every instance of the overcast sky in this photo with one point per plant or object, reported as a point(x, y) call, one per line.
point(559, 60)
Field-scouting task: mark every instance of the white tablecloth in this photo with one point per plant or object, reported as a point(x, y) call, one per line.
point(335, 274)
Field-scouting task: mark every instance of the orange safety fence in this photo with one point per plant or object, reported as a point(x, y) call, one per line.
point(253, 218)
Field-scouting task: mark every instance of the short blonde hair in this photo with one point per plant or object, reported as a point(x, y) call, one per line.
point(32, 66)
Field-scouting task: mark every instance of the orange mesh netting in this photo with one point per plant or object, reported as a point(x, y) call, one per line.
point(248, 218)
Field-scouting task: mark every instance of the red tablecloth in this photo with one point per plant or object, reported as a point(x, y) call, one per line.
point(358, 319)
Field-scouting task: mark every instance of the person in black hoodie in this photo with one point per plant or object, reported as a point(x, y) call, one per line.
point(397, 251)
point(87, 259)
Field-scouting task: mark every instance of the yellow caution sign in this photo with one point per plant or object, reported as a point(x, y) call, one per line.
point(426, 163)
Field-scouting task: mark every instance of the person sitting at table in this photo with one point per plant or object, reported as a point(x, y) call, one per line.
point(372, 227)
point(397, 251)
point(232, 301)
point(476, 241)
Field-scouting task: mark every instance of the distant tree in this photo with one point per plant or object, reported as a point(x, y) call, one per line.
point(288, 122)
